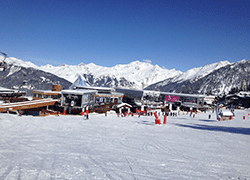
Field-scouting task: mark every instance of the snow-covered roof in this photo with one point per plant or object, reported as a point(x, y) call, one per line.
point(47, 91)
point(128, 89)
point(7, 90)
point(154, 93)
point(244, 93)
point(124, 104)
point(112, 94)
point(226, 113)
point(237, 95)
point(79, 91)
point(185, 95)
point(210, 97)
point(97, 88)
point(2, 88)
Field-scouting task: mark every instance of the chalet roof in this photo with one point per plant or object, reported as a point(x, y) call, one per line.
point(96, 88)
point(183, 94)
point(47, 92)
point(226, 113)
point(5, 89)
point(10, 92)
point(237, 95)
point(2, 89)
point(79, 91)
point(137, 92)
point(124, 104)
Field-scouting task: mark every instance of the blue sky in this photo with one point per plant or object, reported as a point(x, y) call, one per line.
point(180, 34)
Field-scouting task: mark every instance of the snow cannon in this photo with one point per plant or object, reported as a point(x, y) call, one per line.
point(157, 120)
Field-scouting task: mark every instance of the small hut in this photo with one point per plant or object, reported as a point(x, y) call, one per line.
point(226, 115)
point(124, 108)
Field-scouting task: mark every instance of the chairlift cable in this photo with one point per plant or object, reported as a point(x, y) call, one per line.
point(5, 55)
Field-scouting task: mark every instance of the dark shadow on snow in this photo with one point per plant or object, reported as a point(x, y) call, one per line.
point(236, 130)
point(146, 122)
point(208, 120)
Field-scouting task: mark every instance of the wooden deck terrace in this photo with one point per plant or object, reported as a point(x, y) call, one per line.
point(27, 105)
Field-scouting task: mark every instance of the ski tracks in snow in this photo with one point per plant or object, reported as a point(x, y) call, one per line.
point(70, 147)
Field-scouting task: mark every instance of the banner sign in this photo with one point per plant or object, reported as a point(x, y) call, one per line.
point(170, 98)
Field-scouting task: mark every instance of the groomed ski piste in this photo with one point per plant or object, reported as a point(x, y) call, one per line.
point(111, 147)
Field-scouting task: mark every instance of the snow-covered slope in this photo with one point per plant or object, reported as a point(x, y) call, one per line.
point(131, 148)
point(200, 72)
point(21, 63)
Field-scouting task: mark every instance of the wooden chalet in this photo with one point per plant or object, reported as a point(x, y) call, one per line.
point(55, 93)
point(11, 95)
point(124, 108)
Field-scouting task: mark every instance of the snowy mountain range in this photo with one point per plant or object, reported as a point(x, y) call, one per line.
point(217, 78)
point(134, 75)
point(143, 75)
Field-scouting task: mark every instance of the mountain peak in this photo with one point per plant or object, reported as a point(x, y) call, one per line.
point(81, 64)
point(19, 62)
point(79, 82)
point(63, 65)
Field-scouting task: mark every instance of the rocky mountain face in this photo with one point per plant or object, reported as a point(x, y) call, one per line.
point(107, 81)
point(29, 79)
point(219, 81)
